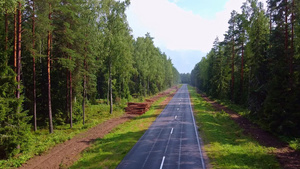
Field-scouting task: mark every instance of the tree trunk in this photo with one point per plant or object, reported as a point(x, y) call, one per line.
point(15, 41)
point(84, 92)
point(148, 85)
point(6, 31)
point(292, 42)
point(33, 67)
point(67, 93)
point(19, 65)
point(19, 39)
point(84, 86)
point(270, 21)
point(110, 90)
point(286, 29)
point(49, 78)
point(242, 70)
point(232, 69)
point(71, 99)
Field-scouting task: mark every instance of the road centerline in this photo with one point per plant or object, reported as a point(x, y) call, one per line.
point(162, 162)
point(171, 141)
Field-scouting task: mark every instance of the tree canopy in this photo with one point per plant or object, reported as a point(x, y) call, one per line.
point(57, 56)
point(257, 64)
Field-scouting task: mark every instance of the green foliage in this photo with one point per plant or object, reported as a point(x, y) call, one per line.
point(224, 141)
point(90, 41)
point(185, 78)
point(41, 141)
point(256, 65)
point(155, 71)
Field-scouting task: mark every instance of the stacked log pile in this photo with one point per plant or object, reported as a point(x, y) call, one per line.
point(141, 108)
point(137, 108)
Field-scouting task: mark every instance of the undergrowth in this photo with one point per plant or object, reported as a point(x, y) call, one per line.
point(41, 140)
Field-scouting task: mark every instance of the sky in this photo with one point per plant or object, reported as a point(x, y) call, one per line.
point(183, 29)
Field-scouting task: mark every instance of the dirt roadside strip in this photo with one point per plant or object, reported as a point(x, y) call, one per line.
point(287, 157)
point(65, 154)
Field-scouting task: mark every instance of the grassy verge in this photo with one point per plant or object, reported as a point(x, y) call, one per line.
point(293, 142)
point(225, 143)
point(109, 151)
point(42, 141)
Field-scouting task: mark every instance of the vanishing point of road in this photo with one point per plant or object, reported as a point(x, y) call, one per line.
point(171, 142)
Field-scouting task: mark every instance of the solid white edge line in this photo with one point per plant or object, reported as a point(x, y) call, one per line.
point(172, 131)
point(162, 162)
point(203, 164)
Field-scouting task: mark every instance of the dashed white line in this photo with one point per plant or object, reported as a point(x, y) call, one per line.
point(172, 131)
point(177, 108)
point(162, 162)
point(175, 117)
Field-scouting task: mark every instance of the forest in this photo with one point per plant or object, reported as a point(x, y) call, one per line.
point(59, 57)
point(257, 65)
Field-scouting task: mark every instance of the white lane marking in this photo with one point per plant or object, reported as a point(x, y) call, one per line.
point(177, 108)
point(162, 162)
point(152, 146)
point(196, 133)
point(172, 131)
point(175, 117)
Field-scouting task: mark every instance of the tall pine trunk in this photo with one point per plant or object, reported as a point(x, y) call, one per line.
point(84, 87)
point(71, 98)
point(15, 41)
point(33, 66)
point(286, 29)
point(232, 69)
point(49, 77)
point(19, 39)
point(19, 65)
point(292, 42)
point(110, 90)
point(242, 69)
point(67, 93)
point(6, 31)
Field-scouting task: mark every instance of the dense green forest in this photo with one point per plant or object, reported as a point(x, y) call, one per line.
point(57, 57)
point(257, 64)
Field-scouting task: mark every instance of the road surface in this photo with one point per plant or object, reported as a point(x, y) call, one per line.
point(171, 142)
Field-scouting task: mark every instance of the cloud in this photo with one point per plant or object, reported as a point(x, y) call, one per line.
point(185, 36)
point(175, 28)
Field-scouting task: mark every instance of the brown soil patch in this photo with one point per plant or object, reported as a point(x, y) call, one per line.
point(65, 154)
point(287, 157)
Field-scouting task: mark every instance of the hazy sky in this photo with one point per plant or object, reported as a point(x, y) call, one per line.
point(183, 29)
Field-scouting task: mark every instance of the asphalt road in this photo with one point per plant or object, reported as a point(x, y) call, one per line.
point(171, 142)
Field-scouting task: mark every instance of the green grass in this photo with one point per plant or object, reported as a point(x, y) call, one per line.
point(42, 141)
point(293, 142)
point(224, 141)
point(109, 151)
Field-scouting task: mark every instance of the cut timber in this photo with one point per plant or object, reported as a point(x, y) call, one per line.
point(141, 108)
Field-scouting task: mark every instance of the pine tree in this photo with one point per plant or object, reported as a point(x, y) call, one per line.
point(49, 75)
